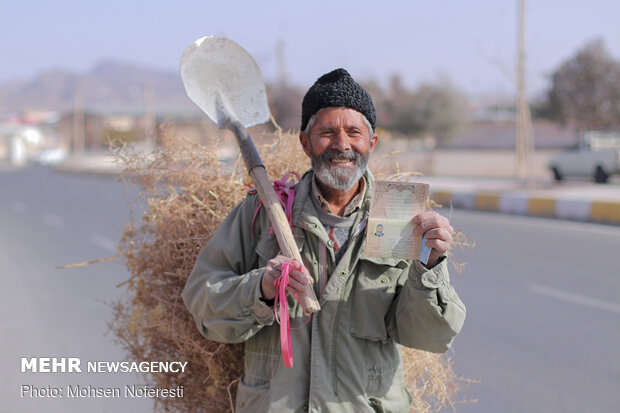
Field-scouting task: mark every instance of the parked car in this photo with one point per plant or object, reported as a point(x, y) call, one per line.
point(597, 155)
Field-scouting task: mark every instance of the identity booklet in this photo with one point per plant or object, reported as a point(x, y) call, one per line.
point(390, 224)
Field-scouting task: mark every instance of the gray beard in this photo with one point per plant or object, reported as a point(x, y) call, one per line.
point(337, 177)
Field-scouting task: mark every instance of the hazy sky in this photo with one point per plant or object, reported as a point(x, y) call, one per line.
point(471, 42)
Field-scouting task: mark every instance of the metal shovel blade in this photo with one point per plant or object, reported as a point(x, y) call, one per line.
point(224, 81)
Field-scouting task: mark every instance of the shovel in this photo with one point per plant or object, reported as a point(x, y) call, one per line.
point(223, 80)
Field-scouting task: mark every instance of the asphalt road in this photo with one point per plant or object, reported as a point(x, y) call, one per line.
point(543, 315)
point(49, 219)
point(543, 299)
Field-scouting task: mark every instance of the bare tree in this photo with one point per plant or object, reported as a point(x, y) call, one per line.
point(585, 89)
point(437, 109)
point(285, 104)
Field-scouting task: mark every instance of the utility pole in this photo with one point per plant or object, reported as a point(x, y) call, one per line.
point(148, 120)
point(79, 119)
point(282, 75)
point(523, 123)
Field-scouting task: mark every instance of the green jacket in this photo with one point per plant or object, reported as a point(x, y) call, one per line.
point(347, 357)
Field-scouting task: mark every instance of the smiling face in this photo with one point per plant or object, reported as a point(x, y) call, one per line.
point(338, 144)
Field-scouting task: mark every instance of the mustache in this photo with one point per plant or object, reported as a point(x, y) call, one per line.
point(331, 154)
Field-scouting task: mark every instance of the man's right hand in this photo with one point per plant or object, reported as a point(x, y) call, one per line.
point(297, 279)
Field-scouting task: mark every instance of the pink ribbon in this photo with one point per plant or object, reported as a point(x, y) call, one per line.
point(284, 320)
point(285, 189)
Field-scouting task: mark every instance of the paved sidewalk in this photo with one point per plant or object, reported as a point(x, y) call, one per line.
point(577, 201)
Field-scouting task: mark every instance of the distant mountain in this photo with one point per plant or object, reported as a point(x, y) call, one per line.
point(109, 87)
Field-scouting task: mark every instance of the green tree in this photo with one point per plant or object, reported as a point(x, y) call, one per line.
point(585, 89)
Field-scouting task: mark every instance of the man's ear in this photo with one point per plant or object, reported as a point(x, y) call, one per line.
point(373, 142)
point(305, 143)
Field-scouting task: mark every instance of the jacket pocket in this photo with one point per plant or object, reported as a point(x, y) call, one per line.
point(260, 367)
point(374, 289)
point(251, 398)
point(397, 401)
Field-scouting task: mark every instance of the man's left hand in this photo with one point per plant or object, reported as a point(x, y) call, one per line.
point(438, 233)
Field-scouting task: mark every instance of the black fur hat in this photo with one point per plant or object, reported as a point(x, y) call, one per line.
point(335, 89)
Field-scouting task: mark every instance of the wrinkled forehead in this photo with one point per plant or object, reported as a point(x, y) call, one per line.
point(338, 117)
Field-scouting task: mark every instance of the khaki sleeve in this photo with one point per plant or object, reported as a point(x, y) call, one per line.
point(427, 313)
point(223, 291)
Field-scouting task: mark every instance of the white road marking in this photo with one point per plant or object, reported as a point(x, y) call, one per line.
point(53, 220)
point(18, 207)
point(103, 242)
point(575, 298)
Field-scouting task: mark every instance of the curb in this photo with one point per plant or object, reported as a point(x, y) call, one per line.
point(520, 203)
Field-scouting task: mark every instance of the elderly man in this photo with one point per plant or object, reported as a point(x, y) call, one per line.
point(347, 356)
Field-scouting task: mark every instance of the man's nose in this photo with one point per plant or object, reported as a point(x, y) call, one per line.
point(341, 141)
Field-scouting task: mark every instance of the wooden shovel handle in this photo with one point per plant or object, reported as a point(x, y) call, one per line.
point(282, 228)
point(271, 202)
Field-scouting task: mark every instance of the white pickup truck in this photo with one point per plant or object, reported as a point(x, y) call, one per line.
point(597, 155)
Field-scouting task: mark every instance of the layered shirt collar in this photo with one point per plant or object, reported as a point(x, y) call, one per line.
point(354, 204)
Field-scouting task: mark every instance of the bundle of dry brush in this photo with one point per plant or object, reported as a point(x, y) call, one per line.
point(188, 191)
